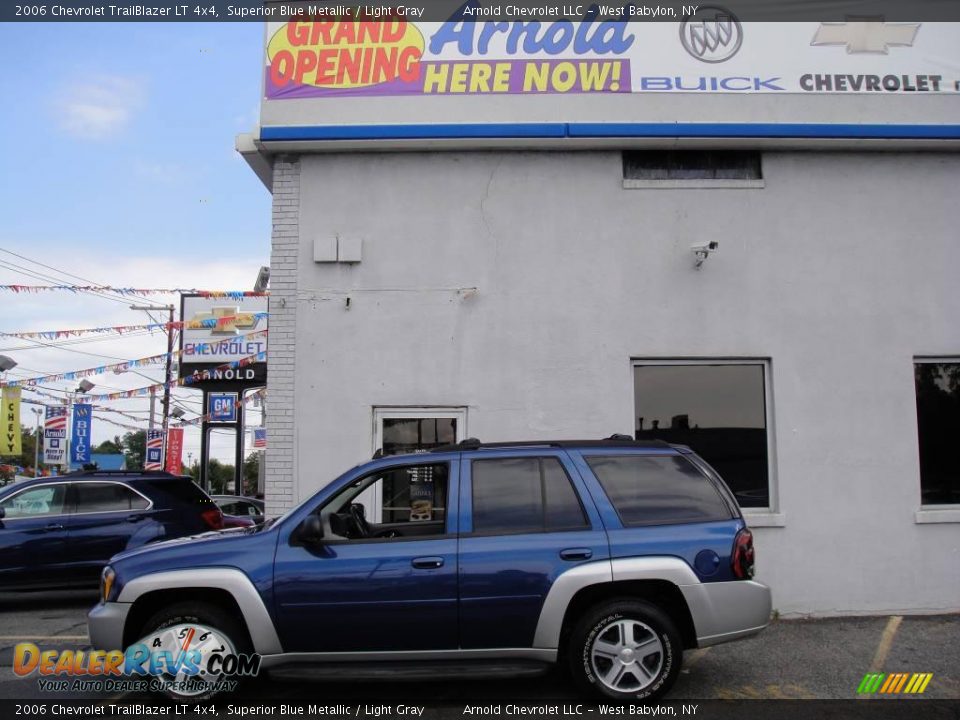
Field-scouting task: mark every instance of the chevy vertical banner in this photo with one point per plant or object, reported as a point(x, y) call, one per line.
point(80, 436)
point(11, 421)
point(174, 450)
point(55, 436)
point(154, 457)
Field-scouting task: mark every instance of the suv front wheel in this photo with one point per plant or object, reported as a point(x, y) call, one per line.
point(625, 650)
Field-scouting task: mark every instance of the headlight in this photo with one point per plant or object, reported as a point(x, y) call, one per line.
point(106, 583)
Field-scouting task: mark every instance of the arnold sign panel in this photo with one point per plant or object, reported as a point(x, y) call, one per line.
point(224, 339)
point(710, 52)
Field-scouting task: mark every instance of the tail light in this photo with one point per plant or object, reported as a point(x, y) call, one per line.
point(743, 555)
point(213, 518)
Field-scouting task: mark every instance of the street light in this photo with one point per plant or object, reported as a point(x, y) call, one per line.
point(85, 386)
point(36, 442)
point(7, 363)
point(177, 413)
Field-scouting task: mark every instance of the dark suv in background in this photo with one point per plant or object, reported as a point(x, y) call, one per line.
point(61, 531)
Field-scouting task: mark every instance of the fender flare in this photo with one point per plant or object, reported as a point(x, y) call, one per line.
point(569, 583)
point(263, 634)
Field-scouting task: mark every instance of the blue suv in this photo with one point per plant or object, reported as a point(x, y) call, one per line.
point(60, 531)
point(611, 557)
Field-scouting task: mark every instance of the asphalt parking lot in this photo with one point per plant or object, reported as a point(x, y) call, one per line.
point(792, 659)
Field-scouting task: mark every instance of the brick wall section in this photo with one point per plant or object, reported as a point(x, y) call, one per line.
point(285, 241)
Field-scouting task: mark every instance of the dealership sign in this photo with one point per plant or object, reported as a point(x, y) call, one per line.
point(711, 52)
point(55, 436)
point(219, 331)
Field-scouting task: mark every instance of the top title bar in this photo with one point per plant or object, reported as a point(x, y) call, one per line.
point(473, 11)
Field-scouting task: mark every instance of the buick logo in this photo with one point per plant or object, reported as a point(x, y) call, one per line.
point(714, 36)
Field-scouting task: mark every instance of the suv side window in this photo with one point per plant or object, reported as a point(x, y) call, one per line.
point(90, 497)
point(524, 494)
point(35, 502)
point(408, 501)
point(658, 489)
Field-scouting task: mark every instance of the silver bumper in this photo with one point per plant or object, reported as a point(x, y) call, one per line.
point(725, 611)
point(105, 625)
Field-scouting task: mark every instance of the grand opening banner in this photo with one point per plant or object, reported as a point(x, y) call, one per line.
point(709, 52)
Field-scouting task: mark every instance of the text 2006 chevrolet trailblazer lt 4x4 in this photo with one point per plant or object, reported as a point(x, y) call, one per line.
point(611, 557)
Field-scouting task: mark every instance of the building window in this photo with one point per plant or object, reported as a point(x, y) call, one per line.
point(691, 168)
point(938, 427)
point(408, 430)
point(719, 409)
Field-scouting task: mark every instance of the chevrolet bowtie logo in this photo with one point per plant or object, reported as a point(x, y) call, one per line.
point(866, 36)
point(211, 320)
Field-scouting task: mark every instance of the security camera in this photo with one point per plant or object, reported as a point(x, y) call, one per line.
point(701, 250)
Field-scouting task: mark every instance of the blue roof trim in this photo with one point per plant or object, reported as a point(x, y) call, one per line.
point(445, 131)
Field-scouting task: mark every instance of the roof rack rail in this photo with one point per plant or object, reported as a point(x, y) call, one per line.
point(615, 440)
point(119, 473)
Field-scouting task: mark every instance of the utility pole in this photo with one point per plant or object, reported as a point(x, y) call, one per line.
point(166, 376)
point(36, 442)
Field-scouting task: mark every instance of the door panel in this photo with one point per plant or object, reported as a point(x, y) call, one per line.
point(367, 595)
point(107, 519)
point(33, 538)
point(504, 576)
point(371, 593)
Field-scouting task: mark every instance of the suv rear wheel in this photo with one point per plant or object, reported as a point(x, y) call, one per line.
point(625, 650)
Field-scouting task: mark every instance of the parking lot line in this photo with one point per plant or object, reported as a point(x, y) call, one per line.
point(886, 642)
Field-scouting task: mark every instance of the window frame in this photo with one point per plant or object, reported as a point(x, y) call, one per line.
point(72, 498)
point(449, 512)
point(468, 461)
point(707, 478)
point(65, 510)
point(943, 512)
point(771, 515)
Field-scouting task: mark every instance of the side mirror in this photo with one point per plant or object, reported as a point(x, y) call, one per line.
point(310, 531)
point(3, 513)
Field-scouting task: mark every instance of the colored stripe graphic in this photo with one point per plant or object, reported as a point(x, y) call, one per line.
point(894, 683)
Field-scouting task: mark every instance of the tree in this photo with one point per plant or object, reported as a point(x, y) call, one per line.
point(251, 472)
point(134, 446)
point(220, 477)
point(28, 446)
point(110, 447)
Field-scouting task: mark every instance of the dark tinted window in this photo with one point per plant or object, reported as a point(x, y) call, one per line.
point(183, 490)
point(719, 411)
point(655, 489)
point(691, 165)
point(106, 497)
point(938, 426)
point(515, 495)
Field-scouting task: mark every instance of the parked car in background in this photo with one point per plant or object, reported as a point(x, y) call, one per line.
point(61, 531)
point(609, 557)
point(237, 521)
point(240, 506)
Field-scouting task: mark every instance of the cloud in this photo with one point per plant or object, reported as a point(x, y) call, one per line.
point(99, 108)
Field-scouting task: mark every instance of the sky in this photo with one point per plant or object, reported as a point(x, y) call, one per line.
point(118, 166)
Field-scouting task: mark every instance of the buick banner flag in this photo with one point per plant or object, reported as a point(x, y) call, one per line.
point(80, 436)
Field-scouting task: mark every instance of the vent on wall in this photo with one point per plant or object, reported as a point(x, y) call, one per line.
point(692, 168)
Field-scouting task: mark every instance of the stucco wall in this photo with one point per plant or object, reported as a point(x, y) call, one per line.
point(840, 270)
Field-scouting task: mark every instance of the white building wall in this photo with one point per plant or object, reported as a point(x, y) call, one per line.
point(840, 270)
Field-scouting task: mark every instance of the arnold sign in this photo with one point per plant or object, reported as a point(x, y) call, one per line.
point(709, 53)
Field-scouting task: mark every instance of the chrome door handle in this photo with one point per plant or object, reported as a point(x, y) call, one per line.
point(53, 526)
point(427, 563)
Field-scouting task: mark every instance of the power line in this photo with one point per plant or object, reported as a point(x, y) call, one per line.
point(50, 278)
